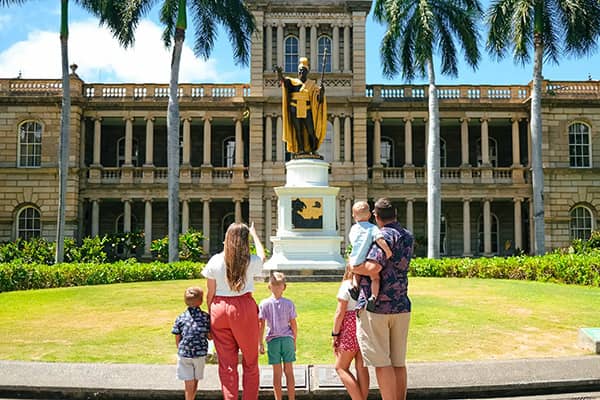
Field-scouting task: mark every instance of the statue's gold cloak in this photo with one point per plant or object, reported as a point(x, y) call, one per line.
point(319, 114)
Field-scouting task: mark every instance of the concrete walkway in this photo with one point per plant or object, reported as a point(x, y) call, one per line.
point(426, 380)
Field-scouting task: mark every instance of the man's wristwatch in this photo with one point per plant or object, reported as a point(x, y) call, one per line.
point(335, 334)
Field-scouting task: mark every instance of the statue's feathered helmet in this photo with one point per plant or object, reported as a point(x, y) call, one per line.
point(303, 63)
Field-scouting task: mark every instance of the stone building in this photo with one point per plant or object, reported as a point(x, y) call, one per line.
point(232, 154)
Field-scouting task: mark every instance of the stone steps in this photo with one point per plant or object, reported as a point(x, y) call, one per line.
point(309, 275)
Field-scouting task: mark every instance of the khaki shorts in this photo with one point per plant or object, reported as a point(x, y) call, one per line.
point(189, 369)
point(382, 338)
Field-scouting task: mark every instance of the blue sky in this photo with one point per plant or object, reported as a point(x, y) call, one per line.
point(29, 45)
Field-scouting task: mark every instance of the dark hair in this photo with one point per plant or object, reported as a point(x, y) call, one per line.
point(384, 209)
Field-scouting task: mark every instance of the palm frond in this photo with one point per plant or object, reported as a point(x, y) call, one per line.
point(8, 3)
point(168, 16)
point(550, 33)
point(581, 22)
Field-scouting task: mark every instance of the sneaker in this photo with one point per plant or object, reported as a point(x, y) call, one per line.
point(354, 292)
point(371, 304)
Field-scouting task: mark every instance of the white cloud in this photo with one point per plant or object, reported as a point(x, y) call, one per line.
point(101, 59)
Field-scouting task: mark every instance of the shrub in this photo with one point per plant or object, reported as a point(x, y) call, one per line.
point(190, 247)
point(21, 276)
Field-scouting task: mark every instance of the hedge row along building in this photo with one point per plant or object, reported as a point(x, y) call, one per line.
point(232, 155)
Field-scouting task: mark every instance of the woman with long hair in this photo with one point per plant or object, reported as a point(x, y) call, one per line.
point(233, 311)
point(345, 344)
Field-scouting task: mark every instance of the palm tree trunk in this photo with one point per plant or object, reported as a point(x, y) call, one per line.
point(173, 147)
point(63, 148)
point(433, 169)
point(537, 173)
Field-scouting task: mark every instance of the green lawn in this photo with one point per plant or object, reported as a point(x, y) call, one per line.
point(452, 319)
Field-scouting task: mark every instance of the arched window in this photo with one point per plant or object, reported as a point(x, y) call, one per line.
point(582, 223)
point(28, 223)
point(120, 223)
point(324, 44)
point(291, 54)
point(579, 145)
point(135, 151)
point(493, 151)
point(387, 152)
point(229, 151)
point(443, 157)
point(30, 144)
point(495, 233)
point(443, 234)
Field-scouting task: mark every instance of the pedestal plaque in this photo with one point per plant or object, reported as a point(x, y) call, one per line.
point(307, 236)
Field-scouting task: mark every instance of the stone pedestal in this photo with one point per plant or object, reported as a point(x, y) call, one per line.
point(307, 236)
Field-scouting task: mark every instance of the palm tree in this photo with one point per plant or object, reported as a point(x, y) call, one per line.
point(544, 25)
point(233, 15)
point(103, 9)
point(415, 29)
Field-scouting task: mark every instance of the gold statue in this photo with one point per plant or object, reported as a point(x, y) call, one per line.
point(304, 111)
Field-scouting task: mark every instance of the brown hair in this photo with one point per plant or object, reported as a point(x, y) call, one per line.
point(193, 296)
point(385, 210)
point(348, 274)
point(277, 278)
point(236, 253)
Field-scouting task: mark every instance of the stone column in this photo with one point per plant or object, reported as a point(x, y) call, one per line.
point(82, 143)
point(185, 215)
point(149, 140)
point(464, 141)
point(126, 215)
point(314, 46)
point(347, 139)
point(531, 227)
point(268, 222)
point(516, 149)
point(207, 141)
point(186, 141)
point(410, 215)
point(97, 141)
point(347, 48)
point(280, 45)
point(336, 138)
point(347, 218)
point(269, 47)
point(377, 141)
point(279, 139)
point(426, 137)
point(128, 140)
point(206, 225)
point(335, 48)
point(408, 141)
point(467, 228)
point(485, 143)
point(487, 228)
point(518, 227)
point(302, 40)
point(239, 143)
point(268, 138)
point(147, 226)
point(238, 210)
point(529, 146)
point(95, 217)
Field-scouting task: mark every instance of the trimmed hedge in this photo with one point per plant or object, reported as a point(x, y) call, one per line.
point(22, 276)
point(579, 269)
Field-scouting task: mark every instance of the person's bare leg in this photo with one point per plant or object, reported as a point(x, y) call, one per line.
point(290, 380)
point(342, 367)
point(191, 387)
point(375, 286)
point(362, 375)
point(386, 379)
point(277, 381)
point(401, 382)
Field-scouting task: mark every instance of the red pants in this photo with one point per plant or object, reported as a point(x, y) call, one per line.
point(234, 327)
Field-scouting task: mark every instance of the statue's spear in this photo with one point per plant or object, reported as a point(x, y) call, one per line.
point(323, 66)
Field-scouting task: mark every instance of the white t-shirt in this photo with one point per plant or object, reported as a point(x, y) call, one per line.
point(215, 269)
point(343, 294)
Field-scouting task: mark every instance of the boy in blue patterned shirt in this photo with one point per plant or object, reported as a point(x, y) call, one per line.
point(191, 330)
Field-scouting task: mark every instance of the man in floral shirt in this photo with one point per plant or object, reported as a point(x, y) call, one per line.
point(191, 330)
point(382, 330)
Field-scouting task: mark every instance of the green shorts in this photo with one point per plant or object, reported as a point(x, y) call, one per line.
point(281, 349)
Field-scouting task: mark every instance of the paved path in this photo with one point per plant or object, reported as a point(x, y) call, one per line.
point(426, 380)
